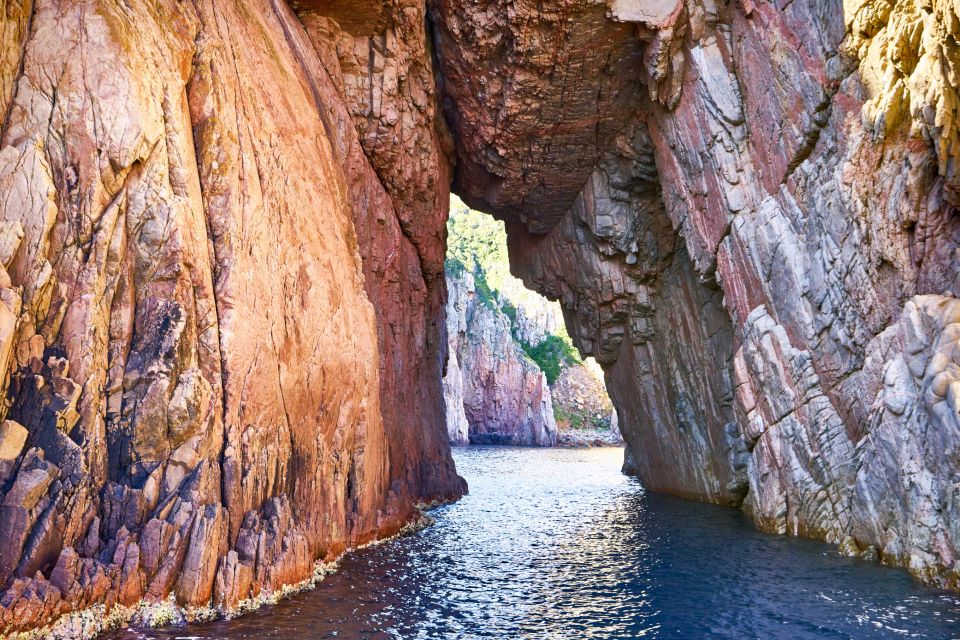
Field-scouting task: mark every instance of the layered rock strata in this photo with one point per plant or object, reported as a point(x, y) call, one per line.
point(199, 203)
point(748, 213)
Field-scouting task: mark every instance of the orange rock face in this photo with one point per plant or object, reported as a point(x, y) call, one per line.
point(213, 378)
point(376, 80)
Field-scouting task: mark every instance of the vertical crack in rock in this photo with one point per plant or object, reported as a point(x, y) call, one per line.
point(15, 25)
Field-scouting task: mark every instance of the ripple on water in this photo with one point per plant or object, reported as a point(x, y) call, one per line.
point(557, 544)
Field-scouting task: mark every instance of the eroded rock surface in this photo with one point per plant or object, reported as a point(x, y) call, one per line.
point(504, 395)
point(459, 300)
point(580, 392)
point(395, 162)
point(753, 229)
point(201, 399)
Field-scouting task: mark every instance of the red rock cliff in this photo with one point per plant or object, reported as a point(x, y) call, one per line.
point(748, 211)
point(222, 284)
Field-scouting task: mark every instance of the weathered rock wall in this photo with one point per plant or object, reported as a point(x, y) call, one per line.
point(756, 237)
point(504, 395)
point(395, 159)
point(580, 391)
point(201, 398)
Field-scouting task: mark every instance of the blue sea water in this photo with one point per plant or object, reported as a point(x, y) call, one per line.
point(558, 544)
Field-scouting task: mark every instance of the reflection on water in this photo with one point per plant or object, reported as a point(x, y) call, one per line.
point(558, 544)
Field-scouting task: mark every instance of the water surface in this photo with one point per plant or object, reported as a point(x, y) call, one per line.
point(558, 544)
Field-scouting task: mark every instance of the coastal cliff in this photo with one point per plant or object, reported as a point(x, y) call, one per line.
point(748, 212)
point(505, 398)
point(222, 245)
point(219, 341)
point(512, 372)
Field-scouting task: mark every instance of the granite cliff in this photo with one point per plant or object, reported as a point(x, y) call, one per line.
point(219, 324)
point(513, 375)
point(748, 211)
point(496, 393)
point(222, 244)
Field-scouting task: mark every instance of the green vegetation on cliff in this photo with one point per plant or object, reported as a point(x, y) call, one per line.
point(477, 243)
point(476, 239)
point(553, 354)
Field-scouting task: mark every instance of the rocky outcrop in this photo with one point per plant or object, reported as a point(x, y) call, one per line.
point(748, 213)
point(199, 204)
point(518, 325)
point(504, 395)
point(580, 397)
point(488, 368)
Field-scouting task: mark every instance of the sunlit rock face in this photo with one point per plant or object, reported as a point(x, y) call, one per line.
point(219, 331)
point(459, 299)
point(503, 395)
point(747, 211)
point(222, 237)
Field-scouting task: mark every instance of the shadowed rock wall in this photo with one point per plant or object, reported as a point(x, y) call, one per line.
point(753, 228)
point(395, 161)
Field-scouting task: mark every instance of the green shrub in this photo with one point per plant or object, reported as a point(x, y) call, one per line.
point(486, 295)
point(511, 312)
point(476, 239)
point(552, 355)
point(572, 419)
point(454, 266)
point(477, 243)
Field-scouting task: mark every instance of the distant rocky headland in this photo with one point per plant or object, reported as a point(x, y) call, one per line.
point(513, 376)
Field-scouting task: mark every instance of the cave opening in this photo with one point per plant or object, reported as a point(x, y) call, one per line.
point(513, 375)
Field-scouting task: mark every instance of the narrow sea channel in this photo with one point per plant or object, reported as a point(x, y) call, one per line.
point(558, 544)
